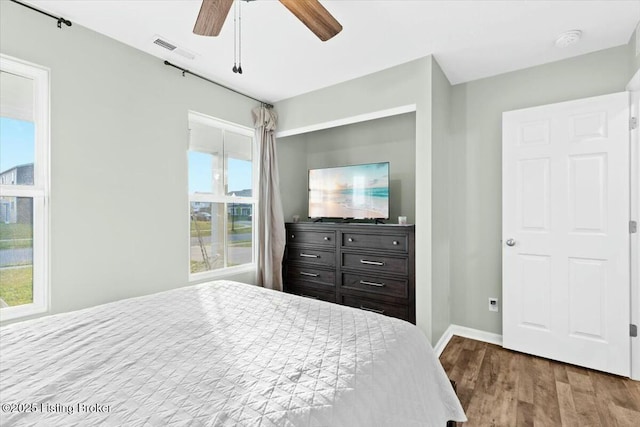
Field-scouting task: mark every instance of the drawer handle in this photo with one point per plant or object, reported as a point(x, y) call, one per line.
point(364, 282)
point(326, 238)
point(349, 239)
point(308, 296)
point(303, 255)
point(362, 307)
point(303, 273)
point(395, 243)
point(364, 261)
point(293, 236)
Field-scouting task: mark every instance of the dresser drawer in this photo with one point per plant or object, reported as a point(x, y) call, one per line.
point(377, 285)
point(300, 275)
point(318, 238)
point(387, 242)
point(313, 293)
point(311, 256)
point(393, 310)
point(377, 263)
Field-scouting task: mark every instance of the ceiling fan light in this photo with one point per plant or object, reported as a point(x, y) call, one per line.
point(568, 38)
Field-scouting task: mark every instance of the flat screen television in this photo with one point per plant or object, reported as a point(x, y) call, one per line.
point(357, 191)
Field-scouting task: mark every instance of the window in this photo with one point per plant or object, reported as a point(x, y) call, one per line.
point(222, 180)
point(24, 188)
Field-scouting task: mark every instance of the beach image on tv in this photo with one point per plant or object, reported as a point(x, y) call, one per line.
point(360, 191)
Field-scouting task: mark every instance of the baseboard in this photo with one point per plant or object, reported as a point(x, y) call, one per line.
point(463, 331)
point(443, 341)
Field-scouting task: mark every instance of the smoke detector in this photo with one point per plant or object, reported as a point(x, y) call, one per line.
point(568, 38)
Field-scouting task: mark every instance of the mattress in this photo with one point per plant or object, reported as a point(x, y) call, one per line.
point(221, 354)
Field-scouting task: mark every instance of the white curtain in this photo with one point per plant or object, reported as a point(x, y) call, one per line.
point(271, 235)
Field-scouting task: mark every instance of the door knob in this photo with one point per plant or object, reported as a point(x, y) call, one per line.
point(510, 242)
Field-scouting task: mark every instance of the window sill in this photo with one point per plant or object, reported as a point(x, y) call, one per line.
point(19, 311)
point(224, 273)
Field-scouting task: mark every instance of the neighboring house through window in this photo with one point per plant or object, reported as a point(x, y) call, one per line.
point(222, 200)
point(24, 188)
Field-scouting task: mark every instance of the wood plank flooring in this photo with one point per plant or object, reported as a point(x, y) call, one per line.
point(499, 387)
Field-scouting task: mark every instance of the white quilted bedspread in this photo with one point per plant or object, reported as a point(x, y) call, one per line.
point(221, 354)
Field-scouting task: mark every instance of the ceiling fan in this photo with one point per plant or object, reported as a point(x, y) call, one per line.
point(312, 14)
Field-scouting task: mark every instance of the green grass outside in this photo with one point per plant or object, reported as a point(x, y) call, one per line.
point(15, 231)
point(13, 236)
point(198, 266)
point(16, 285)
point(16, 244)
point(239, 228)
point(205, 228)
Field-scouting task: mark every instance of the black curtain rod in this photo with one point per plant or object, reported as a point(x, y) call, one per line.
point(184, 71)
point(60, 19)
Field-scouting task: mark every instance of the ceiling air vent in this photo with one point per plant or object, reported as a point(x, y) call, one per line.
point(165, 44)
point(173, 48)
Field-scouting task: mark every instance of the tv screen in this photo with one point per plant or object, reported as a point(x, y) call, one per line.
point(358, 191)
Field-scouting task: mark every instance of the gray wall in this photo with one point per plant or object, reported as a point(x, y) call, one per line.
point(476, 211)
point(634, 64)
point(405, 84)
point(442, 173)
point(292, 167)
point(119, 210)
point(389, 139)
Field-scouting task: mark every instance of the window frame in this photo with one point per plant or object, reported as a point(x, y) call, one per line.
point(195, 117)
point(39, 191)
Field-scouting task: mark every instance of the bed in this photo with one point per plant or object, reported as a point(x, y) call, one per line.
point(220, 354)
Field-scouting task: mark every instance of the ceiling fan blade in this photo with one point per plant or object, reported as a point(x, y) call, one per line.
point(315, 17)
point(211, 17)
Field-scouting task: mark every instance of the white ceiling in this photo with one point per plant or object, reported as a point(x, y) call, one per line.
point(281, 58)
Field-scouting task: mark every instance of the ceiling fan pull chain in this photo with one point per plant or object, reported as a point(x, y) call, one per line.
point(240, 38)
point(235, 37)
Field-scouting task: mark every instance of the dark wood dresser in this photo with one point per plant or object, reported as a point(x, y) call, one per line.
point(368, 266)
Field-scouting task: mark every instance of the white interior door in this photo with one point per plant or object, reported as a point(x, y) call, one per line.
point(566, 232)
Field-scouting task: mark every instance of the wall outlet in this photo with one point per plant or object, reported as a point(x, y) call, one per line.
point(493, 304)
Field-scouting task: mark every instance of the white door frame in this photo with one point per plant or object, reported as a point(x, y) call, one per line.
point(634, 88)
